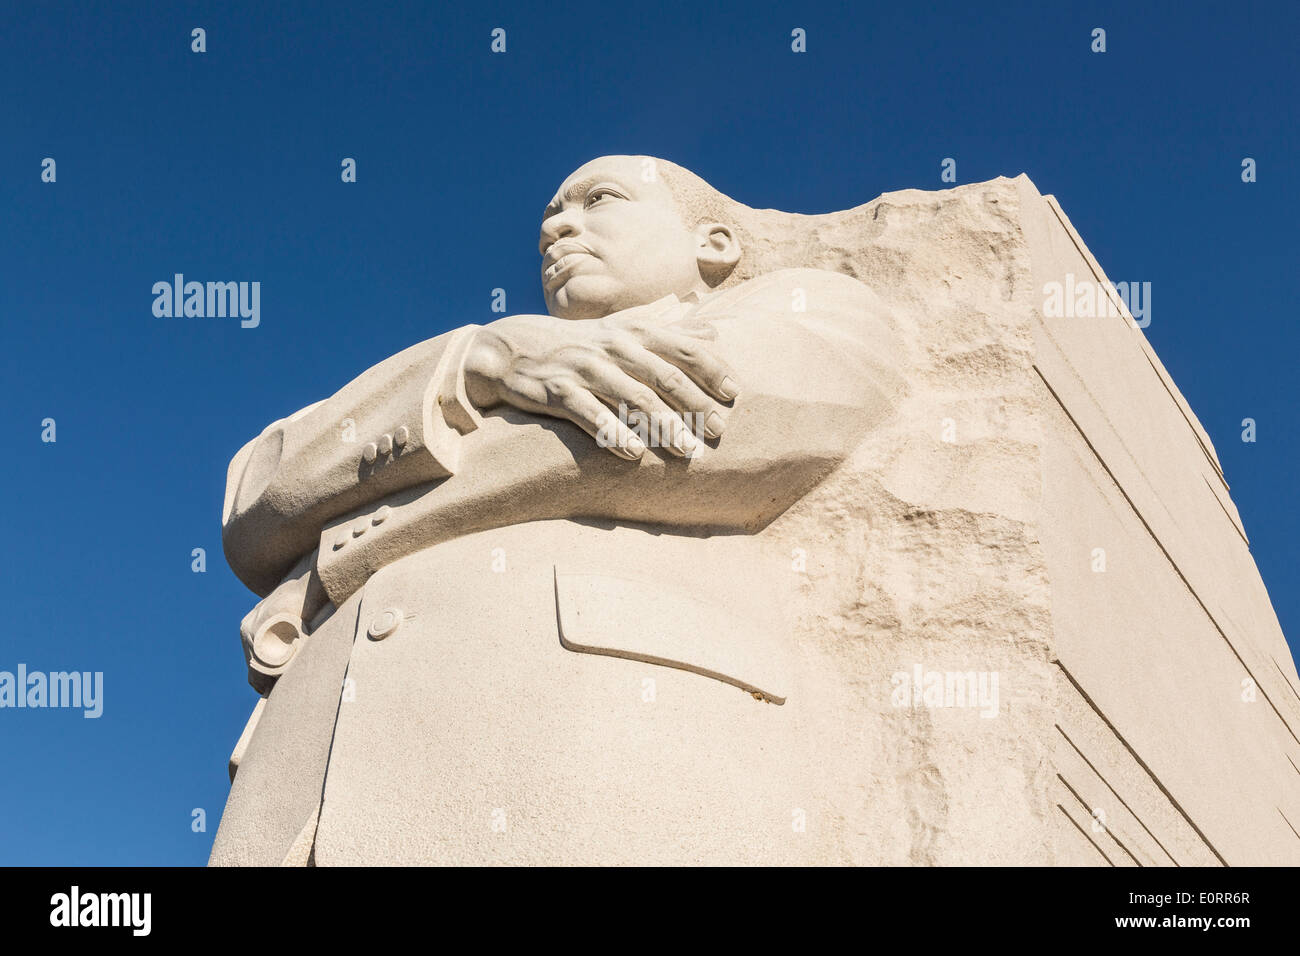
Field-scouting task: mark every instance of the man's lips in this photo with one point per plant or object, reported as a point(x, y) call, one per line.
point(561, 248)
point(560, 261)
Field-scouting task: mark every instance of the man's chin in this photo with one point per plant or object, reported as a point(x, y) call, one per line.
point(575, 300)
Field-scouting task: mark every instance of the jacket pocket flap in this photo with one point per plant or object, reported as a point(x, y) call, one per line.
point(643, 621)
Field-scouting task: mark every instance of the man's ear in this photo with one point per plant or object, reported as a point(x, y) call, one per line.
point(717, 251)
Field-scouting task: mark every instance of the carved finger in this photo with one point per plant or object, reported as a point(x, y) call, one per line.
point(696, 360)
point(674, 387)
point(663, 427)
point(577, 404)
point(525, 392)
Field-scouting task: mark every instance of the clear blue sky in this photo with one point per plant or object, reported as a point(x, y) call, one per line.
point(225, 165)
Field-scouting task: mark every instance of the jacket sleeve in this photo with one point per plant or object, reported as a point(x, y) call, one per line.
point(397, 425)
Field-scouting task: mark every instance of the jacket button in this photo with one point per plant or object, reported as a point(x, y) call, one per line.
point(384, 623)
point(370, 452)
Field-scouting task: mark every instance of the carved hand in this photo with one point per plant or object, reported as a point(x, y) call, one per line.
point(580, 369)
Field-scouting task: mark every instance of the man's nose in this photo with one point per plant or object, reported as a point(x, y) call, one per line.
point(559, 226)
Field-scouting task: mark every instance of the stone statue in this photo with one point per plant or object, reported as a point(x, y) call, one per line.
point(635, 581)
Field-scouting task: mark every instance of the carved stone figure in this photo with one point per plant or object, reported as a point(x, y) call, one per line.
point(667, 576)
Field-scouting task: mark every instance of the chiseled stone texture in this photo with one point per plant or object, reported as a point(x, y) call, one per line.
point(958, 536)
point(923, 548)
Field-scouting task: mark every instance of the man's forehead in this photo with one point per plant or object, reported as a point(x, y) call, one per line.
point(623, 171)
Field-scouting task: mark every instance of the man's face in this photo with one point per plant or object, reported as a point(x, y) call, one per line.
point(611, 241)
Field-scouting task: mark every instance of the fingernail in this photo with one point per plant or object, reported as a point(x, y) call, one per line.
point(714, 424)
point(729, 388)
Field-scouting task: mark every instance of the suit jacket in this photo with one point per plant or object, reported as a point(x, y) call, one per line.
point(547, 642)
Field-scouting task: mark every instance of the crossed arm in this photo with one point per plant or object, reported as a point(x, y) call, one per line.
point(814, 381)
point(399, 424)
